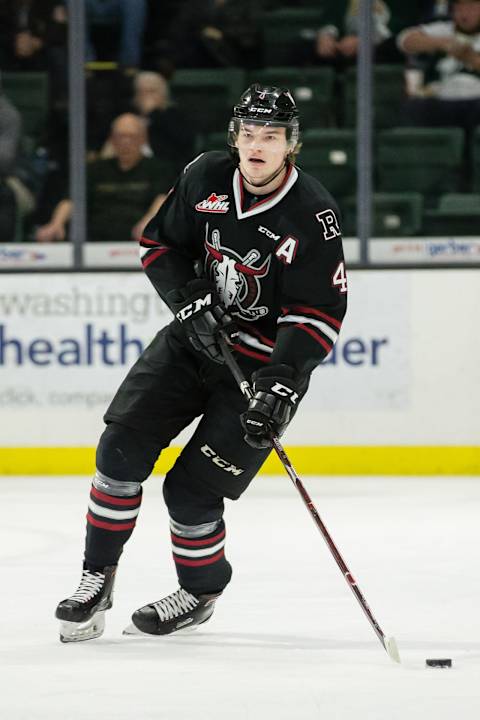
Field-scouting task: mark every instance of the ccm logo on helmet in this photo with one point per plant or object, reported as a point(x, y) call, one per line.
point(285, 392)
point(194, 307)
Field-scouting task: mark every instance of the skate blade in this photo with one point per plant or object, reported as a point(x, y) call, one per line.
point(88, 630)
point(132, 631)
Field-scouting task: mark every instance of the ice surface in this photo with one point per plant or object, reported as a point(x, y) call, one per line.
point(288, 640)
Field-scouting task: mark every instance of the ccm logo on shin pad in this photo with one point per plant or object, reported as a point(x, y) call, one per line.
point(220, 462)
point(194, 307)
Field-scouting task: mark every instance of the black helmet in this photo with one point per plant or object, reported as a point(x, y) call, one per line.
point(264, 105)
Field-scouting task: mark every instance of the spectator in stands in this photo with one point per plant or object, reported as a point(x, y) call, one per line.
point(339, 45)
point(216, 33)
point(168, 128)
point(123, 192)
point(130, 16)
point(15, 197)
point(450, 94)
point(30, 30)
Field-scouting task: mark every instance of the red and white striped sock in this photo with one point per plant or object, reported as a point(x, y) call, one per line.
point(200, 558)
point(110, 522)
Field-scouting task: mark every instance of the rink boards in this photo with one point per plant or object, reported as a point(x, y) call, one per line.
point(399, 394)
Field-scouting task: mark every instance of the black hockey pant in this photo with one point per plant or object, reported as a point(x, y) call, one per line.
point(164, 391)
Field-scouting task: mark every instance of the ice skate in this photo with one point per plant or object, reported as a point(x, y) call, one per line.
point(177, 612)
point(82, 615)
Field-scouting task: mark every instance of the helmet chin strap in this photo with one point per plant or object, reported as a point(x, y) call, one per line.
point(268, 180)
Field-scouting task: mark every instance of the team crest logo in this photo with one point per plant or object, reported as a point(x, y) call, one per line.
point(213, 204)
point(237, 279)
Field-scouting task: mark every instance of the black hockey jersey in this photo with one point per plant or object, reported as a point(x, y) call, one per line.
point(277, 264)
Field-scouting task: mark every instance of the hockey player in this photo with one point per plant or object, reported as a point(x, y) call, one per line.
point(246, 246)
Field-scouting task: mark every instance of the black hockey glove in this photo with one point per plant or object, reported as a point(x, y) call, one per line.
point(272, 406)
point(199, 310)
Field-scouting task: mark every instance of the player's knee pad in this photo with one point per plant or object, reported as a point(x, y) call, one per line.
point(125, 454)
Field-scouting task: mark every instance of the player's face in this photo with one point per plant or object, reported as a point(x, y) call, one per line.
point(466, 15)
point(262, 150)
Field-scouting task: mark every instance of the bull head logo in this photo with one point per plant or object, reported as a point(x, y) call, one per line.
point(236, 278)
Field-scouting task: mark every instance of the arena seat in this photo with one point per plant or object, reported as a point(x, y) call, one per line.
point(476, 160)
point(425, 160)
point(213, 141)
point(457, 214)
point(330, 156)
point(28, 91)
point(389, 91)
point(394, 214)
point(208, 95)
point(284, 29)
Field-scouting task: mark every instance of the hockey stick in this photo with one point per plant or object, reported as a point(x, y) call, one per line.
point(388, 642)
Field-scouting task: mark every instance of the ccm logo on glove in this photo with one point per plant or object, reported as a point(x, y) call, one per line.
point(285, 392)
point(203, 317)
point(194, 307)
point(270, 409)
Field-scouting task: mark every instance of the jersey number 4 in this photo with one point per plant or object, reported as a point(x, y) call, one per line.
point(339, 278)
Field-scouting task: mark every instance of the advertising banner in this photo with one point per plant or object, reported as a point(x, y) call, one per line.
point(402, 359)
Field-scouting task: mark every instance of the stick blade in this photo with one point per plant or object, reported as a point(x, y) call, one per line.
point(390, 645)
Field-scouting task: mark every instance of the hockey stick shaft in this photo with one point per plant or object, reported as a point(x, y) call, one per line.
point(388, 643)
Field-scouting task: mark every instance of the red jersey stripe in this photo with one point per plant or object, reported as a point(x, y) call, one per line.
point(315, 336)
point(312, 311)
point(251, 353)
point(147, 241)
point(253, 331)
point(150, 258)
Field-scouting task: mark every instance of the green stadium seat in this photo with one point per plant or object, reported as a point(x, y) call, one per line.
point(388, 95)
point(330, 156)
point(394, 214)
point(457, 214)
point(28, 91)
point(213, 141)
point(285, 29)
point(476, 160)
point(209, 95)
point(425, 160)
point(312, 88)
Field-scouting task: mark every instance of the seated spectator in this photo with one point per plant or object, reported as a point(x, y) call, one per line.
point(216, 33)
point(339, 45)
point(169, 130)
point(130, 16)
point(31, 29)
point(450, 94)
point(123, 192)
point(15, 197)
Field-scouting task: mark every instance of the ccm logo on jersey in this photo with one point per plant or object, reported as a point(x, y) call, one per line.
point(220, 462)
point(285, 392)
point(194, 307)
point(268, 233)
point(328, 221)
point(213, 204)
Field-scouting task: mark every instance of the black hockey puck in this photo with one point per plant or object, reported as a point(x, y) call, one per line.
point(439, 662)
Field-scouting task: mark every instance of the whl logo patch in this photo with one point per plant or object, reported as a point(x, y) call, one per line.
point(214, 204)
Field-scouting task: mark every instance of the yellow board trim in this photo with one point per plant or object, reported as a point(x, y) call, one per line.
point(307, 460)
